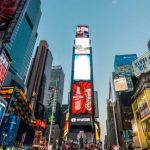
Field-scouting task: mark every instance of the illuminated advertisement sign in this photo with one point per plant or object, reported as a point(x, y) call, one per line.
point(141, 64)
point(3, 105)
point(4, 64)
point(120, 84)
point(41, 123)
point(96, 110)
point(82, 46)
point(7, 11)
point(6, 92)
point(82, 67)
point(81, 98)
point(82, 31)
point(81, 120)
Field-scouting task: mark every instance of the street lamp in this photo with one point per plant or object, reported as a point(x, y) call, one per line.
point(53, 104)
point(4, 136)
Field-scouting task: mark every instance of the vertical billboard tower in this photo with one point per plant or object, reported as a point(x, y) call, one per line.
point(81, 97)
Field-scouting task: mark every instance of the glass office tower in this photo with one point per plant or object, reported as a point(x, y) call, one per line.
point(24, 37)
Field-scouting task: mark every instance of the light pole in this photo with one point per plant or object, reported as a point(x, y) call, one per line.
point(52, 116)
point(4, 136)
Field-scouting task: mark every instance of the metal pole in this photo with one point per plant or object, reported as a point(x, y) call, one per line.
point(49, 139)
point(127, 145)
point(115, 125)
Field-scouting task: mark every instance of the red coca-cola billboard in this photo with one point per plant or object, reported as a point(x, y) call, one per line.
point(81, 98)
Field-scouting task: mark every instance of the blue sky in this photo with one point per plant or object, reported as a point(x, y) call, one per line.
point(115, 26)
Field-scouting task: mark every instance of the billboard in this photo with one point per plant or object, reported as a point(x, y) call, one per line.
point(96, 108)
point(82, 68)
point(66, 125)
point(81, 98)
point(82, 45)
point(141, 64)
point(4, 64)
point(7, 11)
point(82, 31)
point(81, 120)
point(10, 127)
point(3, 106)
point(120, 84)
point(6, 92)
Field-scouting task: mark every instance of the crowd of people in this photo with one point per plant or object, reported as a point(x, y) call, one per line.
point(80, 145)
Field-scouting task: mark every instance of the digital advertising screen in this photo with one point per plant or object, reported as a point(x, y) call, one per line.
point(81, 98)
point(4, 64)
point(82, 68)
point(81, 120)
point(120, 84)
point(82, 31)
point(82, 43)
point(3, 106)
point(7, 10)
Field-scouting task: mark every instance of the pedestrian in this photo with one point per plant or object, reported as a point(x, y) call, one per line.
point(81, 142)
point(86, 145)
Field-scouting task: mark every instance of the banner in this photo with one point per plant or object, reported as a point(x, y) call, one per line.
point(82, 98)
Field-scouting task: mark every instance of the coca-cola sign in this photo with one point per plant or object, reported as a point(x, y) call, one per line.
point(81, 98)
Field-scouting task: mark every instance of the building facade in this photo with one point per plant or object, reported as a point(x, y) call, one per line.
point(123, 77)
point(25, 33)
point(54, 95)
point(82, 88)
point(39, 78)
point(141, 111)
point(110, 126)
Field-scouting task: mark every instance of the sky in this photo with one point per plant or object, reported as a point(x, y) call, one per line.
point(115, 27)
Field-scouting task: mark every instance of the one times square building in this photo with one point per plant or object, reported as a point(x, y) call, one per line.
point(82, 89)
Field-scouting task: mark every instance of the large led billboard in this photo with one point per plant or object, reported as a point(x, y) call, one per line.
point(120, 84)
point(82, 45)
point(83, 119)
point(82, 98)
point(82, 67)
point(82, 31)
point(7, 11)
point(4, 64)
point(141, 64)
point(3, 106)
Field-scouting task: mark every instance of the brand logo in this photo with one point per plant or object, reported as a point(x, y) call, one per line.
point(88, 104)
point(73, 120)
point(80, 119)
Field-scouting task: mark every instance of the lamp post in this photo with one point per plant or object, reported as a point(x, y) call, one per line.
point(4, 136)
point(52, 116)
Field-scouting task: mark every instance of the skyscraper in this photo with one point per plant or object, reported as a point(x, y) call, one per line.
point(53, 102)
point(24, 37)
point(56, 83)
point(82, 88)
point(123, 84)
point(39, 77)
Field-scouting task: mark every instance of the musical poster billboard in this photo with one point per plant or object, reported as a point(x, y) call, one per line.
point(120, 84)
point(82, 67)
point(7, 11)
point(82, 98)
